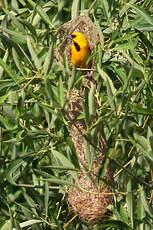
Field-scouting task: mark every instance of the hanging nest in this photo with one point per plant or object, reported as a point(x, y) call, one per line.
point(90, 202)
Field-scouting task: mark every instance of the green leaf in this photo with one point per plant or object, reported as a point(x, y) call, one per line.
point(46, 197)
point(143, 27)
point(149, 133)
point(110, 92)
point(136, 67)
point(136, 108)
point(136, 56)
point(144, 145)
point(65, 162)
point(125, 37)
point(16, 22)
point(75, 9)
point(129, 200)
point(116, 224)
point(123, 214)
point(140, 206)
point(41, 12)
point(61, 92)
point(14, 34)
point(86, 107)
point(17, 61)
point(30, 44)
point(125, 8)
point(19, 136)
point(142, 13)
point(5, 60)
point(3, 98)
point(106, 8)
point(31, 204)
point(72, 78)
point(88, 155)
point(28, 60)
point(110, 87)
point(54, 180)
point(142, 141)
point(100, 32)
point(127, 82)
point(7, 225)
point(29, 27)
point(52, 93)
point(9, 71)
point(73, 155)
point(49, 59)
point(91, 101)
point(16, 223)
point(103, 170)
point(13, 171)
point(126, 45)
point(30, 222)
point(6, 122)
point(146, 205)
point(51, 110)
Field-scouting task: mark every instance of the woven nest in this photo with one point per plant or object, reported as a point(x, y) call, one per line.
point(90, 202)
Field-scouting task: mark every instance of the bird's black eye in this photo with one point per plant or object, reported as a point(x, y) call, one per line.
point(73, 36)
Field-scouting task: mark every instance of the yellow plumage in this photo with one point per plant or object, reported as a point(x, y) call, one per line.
point(80, 50)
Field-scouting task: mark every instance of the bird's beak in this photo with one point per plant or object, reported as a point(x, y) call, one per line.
point(69, 37)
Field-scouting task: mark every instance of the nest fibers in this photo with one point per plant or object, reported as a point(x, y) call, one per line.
point(89, 202)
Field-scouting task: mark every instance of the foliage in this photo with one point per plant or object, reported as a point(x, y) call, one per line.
point(36, 149)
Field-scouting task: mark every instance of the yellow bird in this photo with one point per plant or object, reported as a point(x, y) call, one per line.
point(80, 49)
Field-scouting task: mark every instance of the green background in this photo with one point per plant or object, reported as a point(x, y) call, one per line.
point(36, 150)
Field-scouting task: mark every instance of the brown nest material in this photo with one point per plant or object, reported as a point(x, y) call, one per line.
point(90, 202)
